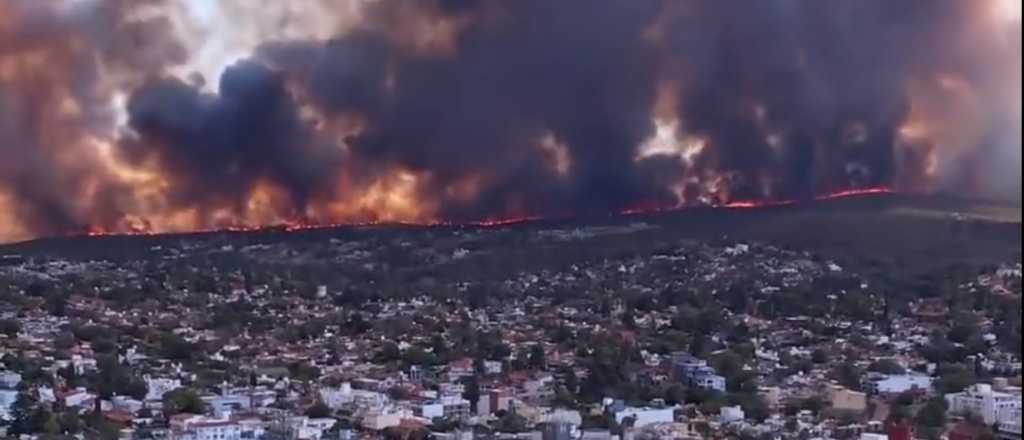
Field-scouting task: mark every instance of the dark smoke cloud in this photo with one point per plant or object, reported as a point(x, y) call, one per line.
point(581, 74)
point(542, 107)
point(55, 57)
point(833, 77)
point(221, 145)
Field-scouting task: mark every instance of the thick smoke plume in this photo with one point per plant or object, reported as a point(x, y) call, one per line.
point(112, 119)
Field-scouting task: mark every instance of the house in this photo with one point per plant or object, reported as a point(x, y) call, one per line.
point(562, 416)
point(495, 400)
point(537, 389)
point(306, 428)
point(345, 395)
point(78, 398)
point(895, 384)
point(7, 398)
point(227, 404)
point(9, 380)
point(643, 416)
point(707, 379)
point(198, 427)
point(451, 389)
point(730, 414)
point(684, 364)
point(696, 372)
point(680, 431)
point(455, 407)
point(1009, 427)
point(157, 387)
point(460, 368)
point(492, 367)
point(380, 419)
point(847, 400)
point(126, 404)
point(430, 410)
point(980, 400)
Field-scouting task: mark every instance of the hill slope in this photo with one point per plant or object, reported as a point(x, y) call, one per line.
point(914, 232)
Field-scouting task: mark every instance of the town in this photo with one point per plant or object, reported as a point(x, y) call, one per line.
point(456, 335)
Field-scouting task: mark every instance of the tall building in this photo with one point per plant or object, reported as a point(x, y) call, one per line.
point(1010, 427)
point(980, 400)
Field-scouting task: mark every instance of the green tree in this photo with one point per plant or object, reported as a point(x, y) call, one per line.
point(933, 413)
point(183, 400)
point(572, 382)
point(675, 394)
point(728, 364)
point(440, 348)
point(953, 379)
point(28, 417)
point(113, 378)
point(511, 423)
point(819, 356)
point(56, 304)
point(10, 327)
point(69, 375)
point(472, 390)
point(175, 347)
point(848, 375)
point(419, 356)
point(813, 404)
point(52, 425)
point(70, 423)
point(303, 371)
point(537, 358)
point(754, 407)
point(963, 329)
point(389, 352)
point(886, 366)
point(318, 410)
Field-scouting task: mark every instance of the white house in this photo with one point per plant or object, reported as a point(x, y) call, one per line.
point(197, 427)
point(157, 387)
point(377, 420)
point(644, 416)
point(79, 398)
point(982, 401)
point(431, 410)
point(7, 398)
point(336, 398)
point(455, 407)
point(899, 383)
point(305, 428)
point(9, 380)
point(1009, 427)
point(730, 414)
point(492, 367)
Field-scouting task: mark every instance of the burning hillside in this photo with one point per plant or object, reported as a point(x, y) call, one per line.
point(499, 222)
point(120, 116)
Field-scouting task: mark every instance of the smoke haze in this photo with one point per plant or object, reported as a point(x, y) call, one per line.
point(160, 115)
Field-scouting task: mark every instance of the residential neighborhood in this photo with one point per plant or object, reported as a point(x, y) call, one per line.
point(696, 340)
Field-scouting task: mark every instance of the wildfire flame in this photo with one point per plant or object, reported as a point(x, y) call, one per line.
point(500, 222)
